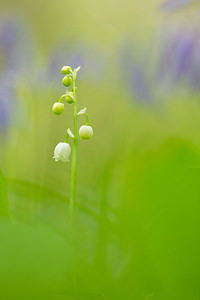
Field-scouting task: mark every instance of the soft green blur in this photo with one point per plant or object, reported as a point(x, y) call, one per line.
point(137, 220)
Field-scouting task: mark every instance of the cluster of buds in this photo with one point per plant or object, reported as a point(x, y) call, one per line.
point(63, 149)
point(59, 107)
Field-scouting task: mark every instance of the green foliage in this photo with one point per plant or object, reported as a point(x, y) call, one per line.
point(135, 243)
point(3, 197)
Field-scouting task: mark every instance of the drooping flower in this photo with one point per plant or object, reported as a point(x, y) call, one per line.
point(62, 152)
point(86, 132)
point(58, 108)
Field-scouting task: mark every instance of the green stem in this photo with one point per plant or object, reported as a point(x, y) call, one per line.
point(87, 119)
point(67, 137)
point(63, 96)
point(74, 162)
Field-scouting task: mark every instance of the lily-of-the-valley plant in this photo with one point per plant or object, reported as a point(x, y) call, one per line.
point(63, 149)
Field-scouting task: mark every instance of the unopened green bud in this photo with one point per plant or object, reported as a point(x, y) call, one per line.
point(67, 81)
point(58, 108)
point(66, 70)
point(70, 98)
point(86, 132)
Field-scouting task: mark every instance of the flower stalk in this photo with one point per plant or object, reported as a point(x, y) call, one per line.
point(63, 149)
point(74, 159)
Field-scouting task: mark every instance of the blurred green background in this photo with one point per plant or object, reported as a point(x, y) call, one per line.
point(137, 217)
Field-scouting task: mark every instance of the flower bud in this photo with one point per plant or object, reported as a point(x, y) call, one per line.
point(70, 98)
point(58, 108)
point(66, 70)
point(86, 132)
point(62, 152)
point(67, 81)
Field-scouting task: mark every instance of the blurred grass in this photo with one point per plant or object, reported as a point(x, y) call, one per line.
point(142, 239)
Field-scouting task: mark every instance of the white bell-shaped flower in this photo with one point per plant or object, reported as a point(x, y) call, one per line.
point(62, 152)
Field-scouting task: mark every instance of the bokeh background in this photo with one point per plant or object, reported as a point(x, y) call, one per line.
point(137, 220)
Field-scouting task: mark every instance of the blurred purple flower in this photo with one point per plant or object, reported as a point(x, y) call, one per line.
point(179, 61)
point(177, 64)
point(7, 96)
point(135, 74)
point(16, 46)
point(171, 5)
point(16, 56)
